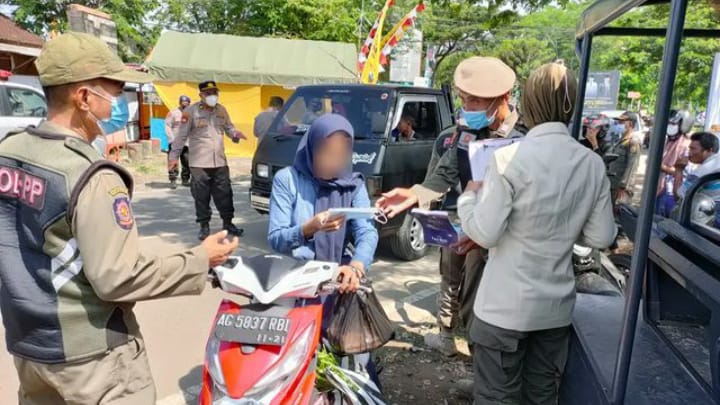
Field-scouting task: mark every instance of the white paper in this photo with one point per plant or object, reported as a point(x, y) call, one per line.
point(480, 153)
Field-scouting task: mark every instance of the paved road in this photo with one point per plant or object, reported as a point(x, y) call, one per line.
point(176, 329)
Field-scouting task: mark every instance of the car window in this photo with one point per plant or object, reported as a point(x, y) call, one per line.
point(367, 110)
point(26, 103)
point(424, 116)
point(705, 208)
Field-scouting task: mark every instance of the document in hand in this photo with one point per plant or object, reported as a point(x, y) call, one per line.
point(438, 230)
point(480, 153)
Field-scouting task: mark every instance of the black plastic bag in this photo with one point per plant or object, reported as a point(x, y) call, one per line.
point(358, 324)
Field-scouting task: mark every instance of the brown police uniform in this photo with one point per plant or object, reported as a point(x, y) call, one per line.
point(204, 127)
point(172, 125)
point(71, 264)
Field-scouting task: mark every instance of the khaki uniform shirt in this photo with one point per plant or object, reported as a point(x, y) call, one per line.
point(203, 128)
point(172, 123)
point(113, 261)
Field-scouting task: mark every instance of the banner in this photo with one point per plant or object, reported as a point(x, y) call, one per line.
point(602, 91)
point(712, 116)
point(407, 59)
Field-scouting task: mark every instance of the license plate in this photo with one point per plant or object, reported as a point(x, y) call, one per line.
point(259, 202)
point(252, 328)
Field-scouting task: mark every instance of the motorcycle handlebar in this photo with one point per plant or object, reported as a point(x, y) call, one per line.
point(326, 288)
point(331, 286)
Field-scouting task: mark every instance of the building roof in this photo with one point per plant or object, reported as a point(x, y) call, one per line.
point(13, 34)
point(251, 60)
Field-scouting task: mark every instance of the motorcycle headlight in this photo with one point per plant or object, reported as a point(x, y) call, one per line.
point(278, 377)
point(270, 384)
point(262, 170)
point(212, 354)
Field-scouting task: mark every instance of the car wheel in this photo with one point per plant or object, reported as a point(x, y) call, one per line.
point(409, 243)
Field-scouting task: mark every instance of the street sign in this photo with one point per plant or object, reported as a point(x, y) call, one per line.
point(633, 95)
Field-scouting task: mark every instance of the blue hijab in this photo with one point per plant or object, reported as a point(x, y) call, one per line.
point(334, 193)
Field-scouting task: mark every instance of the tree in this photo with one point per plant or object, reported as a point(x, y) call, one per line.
point(135, 36)
point(639, 58)
point(459, 27)
point(327, 20)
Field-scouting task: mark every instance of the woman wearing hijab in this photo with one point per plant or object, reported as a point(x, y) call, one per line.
point(538, 198)
point(320, 179)
point(300, 225)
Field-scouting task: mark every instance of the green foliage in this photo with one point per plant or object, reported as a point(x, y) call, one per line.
point(328, 20)
point(639, 58)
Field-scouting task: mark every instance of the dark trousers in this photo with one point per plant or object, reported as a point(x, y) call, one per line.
point(459, 280)
point(514, 367)
point(215, 183)
point(185, 174)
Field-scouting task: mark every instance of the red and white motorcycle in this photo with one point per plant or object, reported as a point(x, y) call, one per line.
point(265, 352)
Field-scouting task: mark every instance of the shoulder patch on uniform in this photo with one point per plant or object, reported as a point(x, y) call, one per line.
point(123, 212)
point(117, 190)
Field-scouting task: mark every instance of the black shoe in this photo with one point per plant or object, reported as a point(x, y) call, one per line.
point(233, 230)
point(186, 183)
point(204, 231)
point(173, 184)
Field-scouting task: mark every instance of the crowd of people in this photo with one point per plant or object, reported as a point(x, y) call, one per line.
point(70, 239)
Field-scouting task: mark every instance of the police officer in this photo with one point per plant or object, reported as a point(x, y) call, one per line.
point(484, 85)
point(172, 124)
point(71, 267)
point(203, 125)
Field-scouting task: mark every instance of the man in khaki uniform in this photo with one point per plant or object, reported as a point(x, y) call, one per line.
point(71, 267)
point(172, 125)
point(203, 126)
point(484, 85)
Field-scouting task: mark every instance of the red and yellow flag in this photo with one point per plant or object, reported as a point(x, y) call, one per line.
point(371, 67)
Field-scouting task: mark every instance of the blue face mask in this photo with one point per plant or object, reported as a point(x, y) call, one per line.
point(477, 119)
point(118, 117)
point(119, 114)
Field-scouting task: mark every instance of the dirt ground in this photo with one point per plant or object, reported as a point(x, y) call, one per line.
point(413, 374)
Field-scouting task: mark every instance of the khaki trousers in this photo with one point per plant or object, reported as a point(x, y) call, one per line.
point(119, 377)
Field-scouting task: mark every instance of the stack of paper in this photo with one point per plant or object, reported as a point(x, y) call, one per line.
point(480, 153)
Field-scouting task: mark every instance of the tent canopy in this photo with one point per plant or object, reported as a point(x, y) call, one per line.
point(250, 60)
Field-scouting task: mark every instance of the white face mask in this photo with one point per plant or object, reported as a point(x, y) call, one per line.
point(211, 100)
point(672, 130)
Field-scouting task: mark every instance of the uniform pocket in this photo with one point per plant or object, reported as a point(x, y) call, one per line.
point(132, 370)
point(495, 338)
